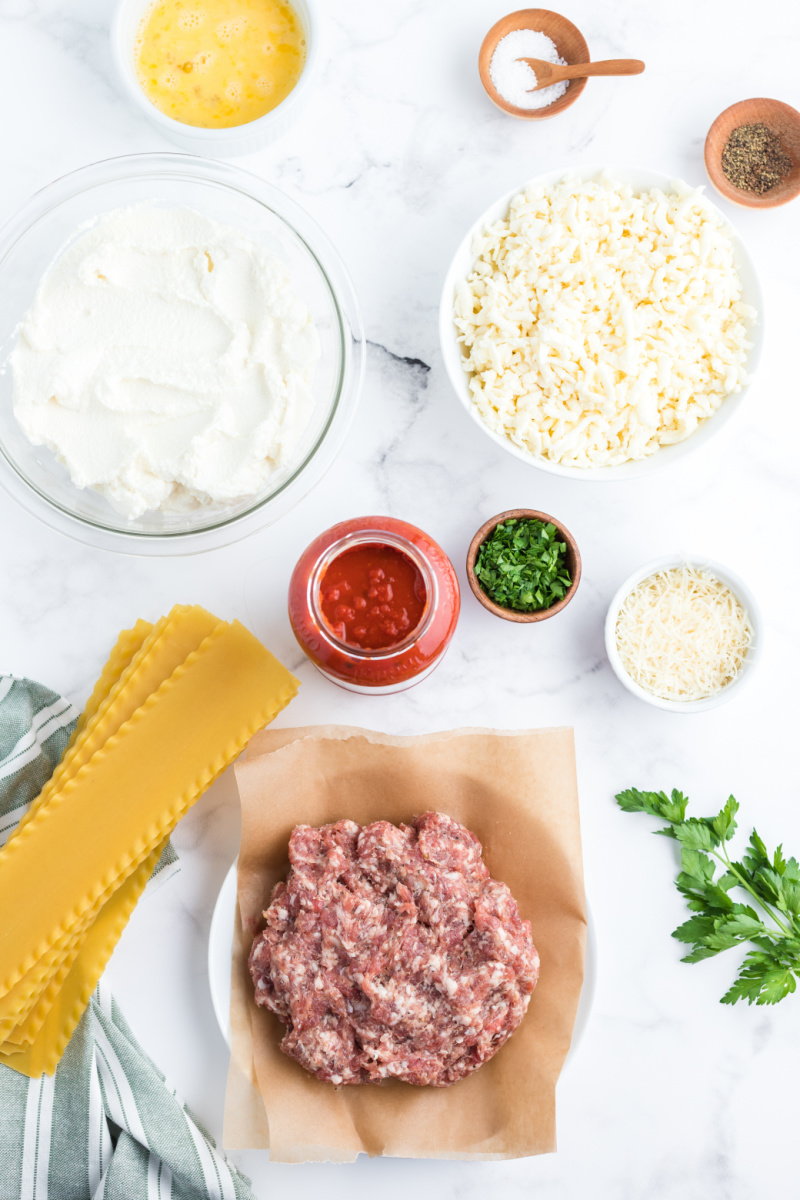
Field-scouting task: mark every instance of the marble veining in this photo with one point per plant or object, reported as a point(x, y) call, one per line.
point(670, 1096)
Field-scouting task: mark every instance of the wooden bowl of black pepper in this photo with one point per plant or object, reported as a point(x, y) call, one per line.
point(572, 562)
point(752, 153)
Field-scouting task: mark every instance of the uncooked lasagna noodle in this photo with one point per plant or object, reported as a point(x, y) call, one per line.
point(173, 705)
point(164, 649)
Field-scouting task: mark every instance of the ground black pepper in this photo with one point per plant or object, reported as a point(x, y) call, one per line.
point(754, 159)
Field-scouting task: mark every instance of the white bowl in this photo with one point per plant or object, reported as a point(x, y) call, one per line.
point(736, 585)
point(35, 236)
point(219, 143)
point(461, 267)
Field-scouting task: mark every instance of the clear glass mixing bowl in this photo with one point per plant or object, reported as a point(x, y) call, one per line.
point(32, 239)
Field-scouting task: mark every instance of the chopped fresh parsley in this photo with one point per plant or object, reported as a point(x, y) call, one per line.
point(770, 968)
point(522, 565)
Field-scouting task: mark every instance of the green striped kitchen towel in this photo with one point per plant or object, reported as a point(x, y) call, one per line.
point(107, 1125)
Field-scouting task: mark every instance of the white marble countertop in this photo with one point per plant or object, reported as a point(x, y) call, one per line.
point(670, 1095)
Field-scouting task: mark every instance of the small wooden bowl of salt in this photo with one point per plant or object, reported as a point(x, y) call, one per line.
point(531, 33)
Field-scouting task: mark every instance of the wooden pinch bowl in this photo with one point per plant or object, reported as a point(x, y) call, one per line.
point(569, 41)
point(573, 564)
point(783, 120)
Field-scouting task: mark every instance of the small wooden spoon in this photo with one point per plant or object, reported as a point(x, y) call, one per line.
point(568, 41)
point(547, 72)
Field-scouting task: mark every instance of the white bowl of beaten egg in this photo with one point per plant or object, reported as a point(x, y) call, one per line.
point(577, 427)
point(181, 354)
point(217, 77)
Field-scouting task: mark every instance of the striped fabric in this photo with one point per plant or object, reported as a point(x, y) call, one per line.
point(107, 1125)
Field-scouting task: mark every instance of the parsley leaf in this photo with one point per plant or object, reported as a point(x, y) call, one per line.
point(522, 565)
point(771, 968)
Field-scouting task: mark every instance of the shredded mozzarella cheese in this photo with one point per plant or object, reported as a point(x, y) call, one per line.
point(599, 324)
point(682, 634)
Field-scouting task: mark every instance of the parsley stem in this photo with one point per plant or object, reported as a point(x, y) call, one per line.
point(726, 862)
point(770, 922)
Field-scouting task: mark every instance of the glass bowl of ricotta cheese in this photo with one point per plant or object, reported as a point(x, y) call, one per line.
point(181, 354)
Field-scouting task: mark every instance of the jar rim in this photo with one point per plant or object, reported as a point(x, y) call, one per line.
point(383, 537)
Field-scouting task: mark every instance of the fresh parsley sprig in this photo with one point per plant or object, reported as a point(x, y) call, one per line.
point(771, 967)
point(521, 565)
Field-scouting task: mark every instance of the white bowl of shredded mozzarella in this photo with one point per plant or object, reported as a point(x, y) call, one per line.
point(601, 324)
point(683, 633)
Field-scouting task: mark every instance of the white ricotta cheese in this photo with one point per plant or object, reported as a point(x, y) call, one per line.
point(166, 362)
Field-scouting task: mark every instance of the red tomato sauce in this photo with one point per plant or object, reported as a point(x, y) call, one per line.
point(393, 661)
point(372, 596)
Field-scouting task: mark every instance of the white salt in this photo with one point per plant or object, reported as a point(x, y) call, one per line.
point(514, 79)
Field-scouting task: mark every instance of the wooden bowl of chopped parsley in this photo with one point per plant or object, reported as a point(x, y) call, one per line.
point(523, 565)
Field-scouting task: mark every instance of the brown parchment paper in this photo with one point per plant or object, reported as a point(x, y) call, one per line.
point(518, 792)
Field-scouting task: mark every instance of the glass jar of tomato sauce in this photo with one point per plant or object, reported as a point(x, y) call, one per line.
point(374, 603)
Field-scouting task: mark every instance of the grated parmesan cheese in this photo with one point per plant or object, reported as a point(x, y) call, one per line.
point(599, 323)
point(682, 634)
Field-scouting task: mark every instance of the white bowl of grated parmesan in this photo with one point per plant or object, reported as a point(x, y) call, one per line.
point(684, 633)
point(601, 323)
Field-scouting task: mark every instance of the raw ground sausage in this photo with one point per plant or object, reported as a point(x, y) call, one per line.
point(390, 953)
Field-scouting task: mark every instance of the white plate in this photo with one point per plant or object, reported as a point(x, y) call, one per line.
point(220, 952)
point(220, 949)
point(461, 266)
